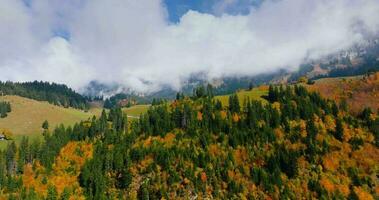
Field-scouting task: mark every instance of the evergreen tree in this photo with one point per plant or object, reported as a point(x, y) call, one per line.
point(45, 125)
point(339, 129)
point(52, 193)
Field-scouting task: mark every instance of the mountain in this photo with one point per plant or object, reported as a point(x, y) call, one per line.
point(357, 60)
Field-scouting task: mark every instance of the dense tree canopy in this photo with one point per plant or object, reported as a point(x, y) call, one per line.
point(298, 145)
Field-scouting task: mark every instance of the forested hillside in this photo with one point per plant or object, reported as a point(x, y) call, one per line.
point(57, 94)
point(296, 146)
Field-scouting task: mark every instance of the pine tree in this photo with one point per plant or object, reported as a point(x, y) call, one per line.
point(45, 125)
point(52, 193)
point(11, 158)
point(339, 129)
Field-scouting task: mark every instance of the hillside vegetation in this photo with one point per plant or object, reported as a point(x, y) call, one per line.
point(356, 92)
point(296, 146)
point(57, 94)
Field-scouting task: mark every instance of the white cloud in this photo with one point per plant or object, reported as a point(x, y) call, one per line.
point(130, 42)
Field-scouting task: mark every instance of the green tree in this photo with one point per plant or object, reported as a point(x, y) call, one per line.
point(52, 193)
point(45, 125)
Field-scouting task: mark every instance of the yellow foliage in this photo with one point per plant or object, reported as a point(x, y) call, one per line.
point(240, 156)
point(276, 105)
point(7, 133)
point(214, 150)
point(303, 128)
point(330, 123)
point(303, 79)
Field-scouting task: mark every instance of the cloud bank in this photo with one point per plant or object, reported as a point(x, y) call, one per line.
point(132, 42)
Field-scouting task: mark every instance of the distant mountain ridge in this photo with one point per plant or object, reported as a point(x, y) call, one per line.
point(357, 60)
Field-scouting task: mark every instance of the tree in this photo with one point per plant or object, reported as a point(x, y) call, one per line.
point(45, 125)
point(234, 105)
point(52, 193)
point(11, 158)
point(339, 129)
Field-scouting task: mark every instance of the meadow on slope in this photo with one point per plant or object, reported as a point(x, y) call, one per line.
point(134, 112)
point(28, 115)
point(253, 94)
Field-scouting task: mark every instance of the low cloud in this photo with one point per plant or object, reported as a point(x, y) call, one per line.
point(132, 43)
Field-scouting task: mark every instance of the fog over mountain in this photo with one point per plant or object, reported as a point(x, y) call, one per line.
point(133, 43)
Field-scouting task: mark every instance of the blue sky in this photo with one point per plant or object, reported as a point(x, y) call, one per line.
point(177, 8)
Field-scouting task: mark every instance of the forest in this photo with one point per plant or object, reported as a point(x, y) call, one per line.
point(5, 108)
point(57, 94)
point(296, 146)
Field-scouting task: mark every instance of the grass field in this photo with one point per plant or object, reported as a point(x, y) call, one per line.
point(28, 115)
point(136, 111)
point(254, 94)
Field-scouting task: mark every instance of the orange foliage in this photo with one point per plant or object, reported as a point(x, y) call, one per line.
point(367, 157)
point(65, 170)
point(199, 116)
point(214, 150)
point(236, 117)
point(168, 140)
point(362, 195)
point(344, 189)
point(223, 114)
point(327, 185)
point(331, 161)
point(358, 92)
point(203, 177)
point(279, 134)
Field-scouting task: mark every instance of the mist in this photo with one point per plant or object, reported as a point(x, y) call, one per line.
point(133, 43)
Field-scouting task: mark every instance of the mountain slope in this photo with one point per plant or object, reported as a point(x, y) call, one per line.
point(28, 115)
point(296, 146)
point(358, 91)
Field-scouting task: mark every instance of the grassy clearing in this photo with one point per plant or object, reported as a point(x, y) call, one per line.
point(28, 115)
point(136, 111)
point(254, 94)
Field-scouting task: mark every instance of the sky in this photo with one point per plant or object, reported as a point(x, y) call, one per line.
point(149, 44)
